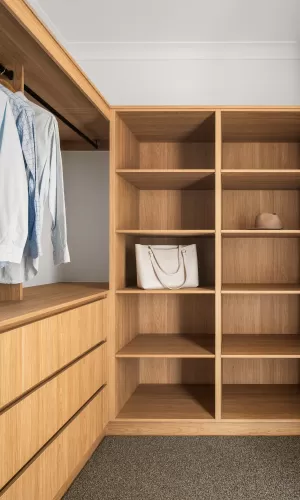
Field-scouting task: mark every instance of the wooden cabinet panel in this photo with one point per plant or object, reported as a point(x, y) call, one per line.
point(28, 425)
point(63, 457)
point(34, 352)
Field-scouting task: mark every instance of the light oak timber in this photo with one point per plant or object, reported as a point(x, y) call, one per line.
point(260, 370)
point(11, 292)
point(175, 209)
point(169, 179)
point(186, 371)
point(167, 232)
point(181, 156)
point(47, 300)
point(163, 314)
point(168, 401)
point(169, 126)
point(261, 179)
point(261, 233)
point(64, 488)
point(27, 39)
point(200, 428)
point(261, 126)
point(248, 401)
point(169, 346)
point(33, 353)
point(261, 156)
point(261, 260)
point(218, 264)
point(240, 208)
point(50, 470)
point(261, 346)
point(259, 314)
point(183, 291)
point(28, 425)
point(261, 288)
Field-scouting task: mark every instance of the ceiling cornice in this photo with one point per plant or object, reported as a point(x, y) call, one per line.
point(135, 51)
point(93, 51)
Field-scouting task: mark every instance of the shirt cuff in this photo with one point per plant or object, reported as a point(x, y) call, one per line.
point(61, 256)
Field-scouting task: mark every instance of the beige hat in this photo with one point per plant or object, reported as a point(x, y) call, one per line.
point(266, 220)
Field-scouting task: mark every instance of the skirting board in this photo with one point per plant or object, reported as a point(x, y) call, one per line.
point(203, 429)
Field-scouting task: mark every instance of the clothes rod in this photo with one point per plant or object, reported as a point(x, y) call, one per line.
point(10, 75)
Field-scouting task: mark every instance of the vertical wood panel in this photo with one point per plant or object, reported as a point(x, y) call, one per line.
point(218, 264)
point(111, 348)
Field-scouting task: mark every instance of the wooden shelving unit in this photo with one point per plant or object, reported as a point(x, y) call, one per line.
point(170, 402)
point(261, 288)
point(226, 353)
point(259, 233)
point(193, 291)
point(261, 346)
point(169, 346)
point(261, 402)
point(167, 232)
point(169, 179)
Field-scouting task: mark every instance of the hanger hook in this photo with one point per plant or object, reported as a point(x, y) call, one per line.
point(2, 72)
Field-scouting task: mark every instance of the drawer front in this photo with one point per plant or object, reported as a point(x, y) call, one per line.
point(58, 462)
point(32, 353)
point(29, 424)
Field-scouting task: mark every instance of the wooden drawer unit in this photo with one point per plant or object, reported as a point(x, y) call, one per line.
point(26, 426)
point(32, 353)
point(50, 473)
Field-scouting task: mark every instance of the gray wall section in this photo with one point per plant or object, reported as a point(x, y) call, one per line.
point(86, 178)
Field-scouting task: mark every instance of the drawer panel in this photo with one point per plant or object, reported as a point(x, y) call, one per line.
point(29, 424)
point(33, 352)
point(58, 462)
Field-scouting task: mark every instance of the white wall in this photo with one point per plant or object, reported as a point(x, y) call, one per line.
point(197, 82)
point(86, 178)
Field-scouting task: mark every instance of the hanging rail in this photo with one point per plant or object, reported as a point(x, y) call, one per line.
point(10, 75)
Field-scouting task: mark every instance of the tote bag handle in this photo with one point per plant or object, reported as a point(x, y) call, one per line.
point(157, 267)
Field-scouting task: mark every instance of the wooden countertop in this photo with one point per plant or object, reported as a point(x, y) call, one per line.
point(47, 300)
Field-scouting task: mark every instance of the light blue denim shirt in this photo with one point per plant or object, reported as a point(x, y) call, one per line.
point(51, 187)
point(25, 121)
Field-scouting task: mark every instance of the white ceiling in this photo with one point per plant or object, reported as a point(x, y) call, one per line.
point(172, 20)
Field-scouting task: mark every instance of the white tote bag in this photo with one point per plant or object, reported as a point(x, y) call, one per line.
point(166, 266)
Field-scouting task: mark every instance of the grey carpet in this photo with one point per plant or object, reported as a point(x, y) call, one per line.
point(188, 468)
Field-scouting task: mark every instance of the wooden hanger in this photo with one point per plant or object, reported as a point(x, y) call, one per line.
point(6, 84)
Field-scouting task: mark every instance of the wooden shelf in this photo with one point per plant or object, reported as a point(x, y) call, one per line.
point(261, 346)
point(46, 300)
point(258, 233)
point(169, 179)
point(261, 179)
point(199, 290)
point(168, 232)
point(169, 346)
point(259, 402)
point(261, 288)
point(169, 402)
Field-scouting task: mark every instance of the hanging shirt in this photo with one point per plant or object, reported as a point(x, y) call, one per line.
point(13, 188)
point(51, 186)
point(25, 122)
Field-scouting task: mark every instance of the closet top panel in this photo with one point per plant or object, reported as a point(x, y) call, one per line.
point(52, 73)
